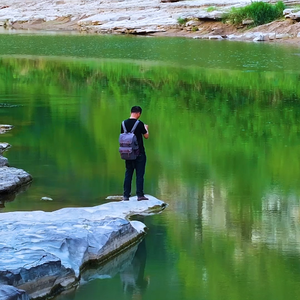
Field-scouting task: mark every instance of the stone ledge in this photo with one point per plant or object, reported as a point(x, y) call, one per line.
point(45, 252)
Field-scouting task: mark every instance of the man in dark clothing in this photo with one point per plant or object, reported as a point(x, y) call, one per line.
point(139, 163)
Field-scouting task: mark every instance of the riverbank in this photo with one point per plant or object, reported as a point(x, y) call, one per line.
point(153, 18)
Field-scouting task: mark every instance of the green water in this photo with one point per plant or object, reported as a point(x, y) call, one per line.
point(223, 152)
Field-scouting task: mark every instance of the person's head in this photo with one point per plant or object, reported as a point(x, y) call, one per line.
point(136, 111)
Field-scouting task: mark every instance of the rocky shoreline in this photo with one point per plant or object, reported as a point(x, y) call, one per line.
point(46, 253)
point(12, 180)
point(153, 18)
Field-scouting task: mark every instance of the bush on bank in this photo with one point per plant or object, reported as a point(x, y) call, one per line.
point(259, 12)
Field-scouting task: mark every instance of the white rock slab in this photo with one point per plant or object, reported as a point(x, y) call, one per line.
point(111, 14)
point(41, 251)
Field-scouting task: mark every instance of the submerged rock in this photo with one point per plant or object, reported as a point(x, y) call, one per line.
point(42, 252)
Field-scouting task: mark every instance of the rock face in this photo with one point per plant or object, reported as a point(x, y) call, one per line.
point(44, 252)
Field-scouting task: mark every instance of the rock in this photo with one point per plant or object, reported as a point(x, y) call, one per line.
point(46, 199)
point(4, 128)
point(4, 147)
point(215, 37)
point(272, 36)
point(193, 23)
point(213, 15)
point(232, 36)
point(287, 11)
point(260, 37)
point(294, 16)
point(43, 252)
point(282, 36)
point(249, 36)
point(11, 179)
point(11, 293)
point(247, 22)
point(3, 162)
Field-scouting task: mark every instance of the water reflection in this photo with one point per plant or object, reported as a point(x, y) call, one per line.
point(9, 197)
point(224, 155)
point(133, 275)
point(129, 265)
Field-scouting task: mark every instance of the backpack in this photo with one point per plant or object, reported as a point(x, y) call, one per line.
point(129, 148)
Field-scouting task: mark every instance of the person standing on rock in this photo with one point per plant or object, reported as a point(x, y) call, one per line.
point(138, 164)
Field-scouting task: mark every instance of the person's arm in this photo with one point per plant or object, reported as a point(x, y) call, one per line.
point(146, 135)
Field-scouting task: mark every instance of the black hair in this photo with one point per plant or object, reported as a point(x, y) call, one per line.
point(136, 109)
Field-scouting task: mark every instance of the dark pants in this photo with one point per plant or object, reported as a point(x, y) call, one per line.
point(138, 165)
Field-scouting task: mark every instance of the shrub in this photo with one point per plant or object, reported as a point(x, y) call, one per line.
point(181, 21)
point(259, 12)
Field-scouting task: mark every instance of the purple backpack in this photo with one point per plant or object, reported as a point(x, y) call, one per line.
point(129, 148)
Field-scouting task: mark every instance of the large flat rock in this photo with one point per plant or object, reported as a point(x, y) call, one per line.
point(42, 252)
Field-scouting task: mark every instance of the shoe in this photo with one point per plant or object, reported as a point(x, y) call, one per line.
point(142, 198)
point(125, 199)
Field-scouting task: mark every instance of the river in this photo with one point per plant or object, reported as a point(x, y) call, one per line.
point(223, 152)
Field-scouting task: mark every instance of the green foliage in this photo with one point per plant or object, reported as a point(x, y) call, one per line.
point(259, 12)
point(181, 21)
point(231, 134)
point(211, 8)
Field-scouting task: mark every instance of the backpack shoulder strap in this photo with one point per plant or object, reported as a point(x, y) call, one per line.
point(135, 126)
point(124, 127)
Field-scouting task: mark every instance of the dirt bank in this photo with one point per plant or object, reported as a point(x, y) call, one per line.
point(287, 30)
